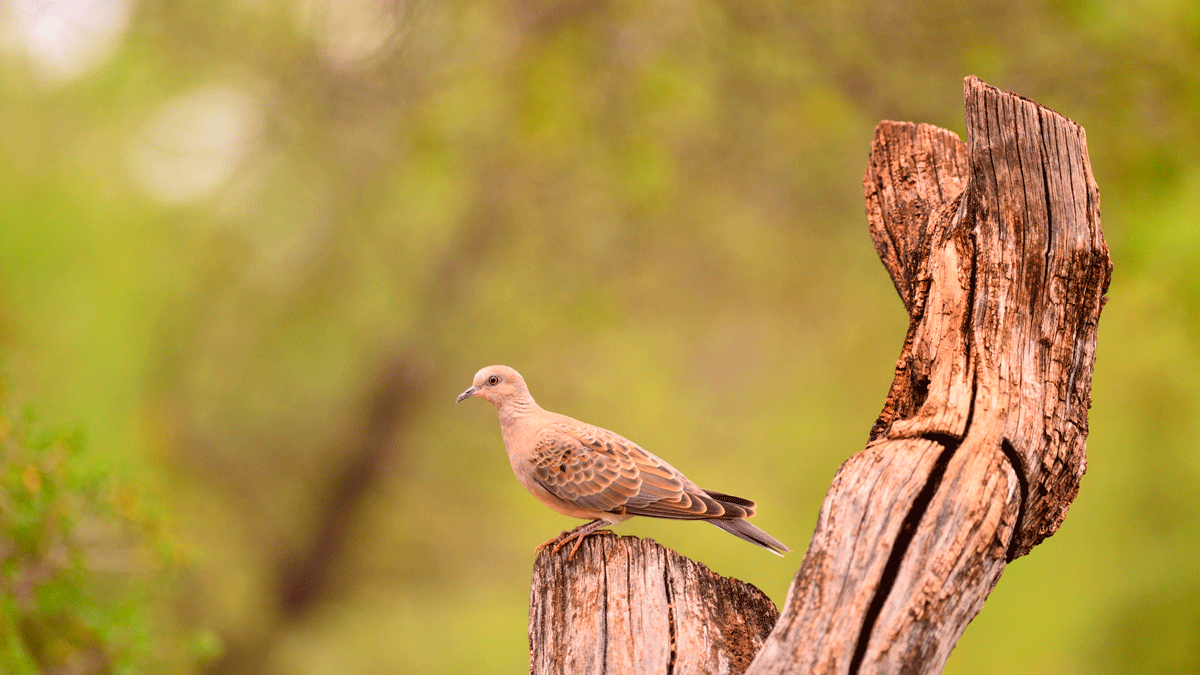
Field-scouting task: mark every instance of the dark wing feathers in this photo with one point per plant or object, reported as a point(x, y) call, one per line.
point(596, 469)
point(735, 503)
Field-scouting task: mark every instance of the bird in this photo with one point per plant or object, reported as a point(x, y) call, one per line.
point(584, 471)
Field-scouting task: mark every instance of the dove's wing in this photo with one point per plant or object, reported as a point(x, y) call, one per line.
point(596, 469)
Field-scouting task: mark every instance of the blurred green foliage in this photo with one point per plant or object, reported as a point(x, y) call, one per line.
point(77, 561)
point(235, 229)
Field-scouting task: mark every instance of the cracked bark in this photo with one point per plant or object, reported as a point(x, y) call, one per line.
point(996, 250)
point(627, 605)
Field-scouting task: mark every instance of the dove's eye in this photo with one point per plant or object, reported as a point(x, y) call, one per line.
point(493, 380)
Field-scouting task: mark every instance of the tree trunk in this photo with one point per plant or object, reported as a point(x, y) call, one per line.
point(996, 251)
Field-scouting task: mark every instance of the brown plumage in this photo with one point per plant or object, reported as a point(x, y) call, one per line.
point(583, 471)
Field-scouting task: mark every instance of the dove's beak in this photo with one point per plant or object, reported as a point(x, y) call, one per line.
point(466, 394)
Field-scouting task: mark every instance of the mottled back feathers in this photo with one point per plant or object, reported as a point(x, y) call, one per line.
point(597, 469)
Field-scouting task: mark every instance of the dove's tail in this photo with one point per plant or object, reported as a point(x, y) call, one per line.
point(744, 530)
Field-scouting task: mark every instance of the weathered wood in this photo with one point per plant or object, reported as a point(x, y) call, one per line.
point(996, 250)
point(627, 605)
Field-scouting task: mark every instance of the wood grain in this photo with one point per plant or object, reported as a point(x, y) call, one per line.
point(628, 605)
point(996, 250)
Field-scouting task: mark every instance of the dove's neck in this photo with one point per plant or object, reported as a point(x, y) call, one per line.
point(515, 409)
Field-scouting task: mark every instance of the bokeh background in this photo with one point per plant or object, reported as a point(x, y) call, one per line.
point(250, 251)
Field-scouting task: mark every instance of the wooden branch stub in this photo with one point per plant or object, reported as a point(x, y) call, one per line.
point(628, 605)
point(915, 168)
point(996, 251)
point(1039, 291)
point(1006, 288)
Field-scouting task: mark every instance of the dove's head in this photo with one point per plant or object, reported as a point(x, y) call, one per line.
point(498, 385)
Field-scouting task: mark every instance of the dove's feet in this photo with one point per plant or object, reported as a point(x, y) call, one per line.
point(577, 535)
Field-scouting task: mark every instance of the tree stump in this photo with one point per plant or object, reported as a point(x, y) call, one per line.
point(628, 605)
point(996, 250)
